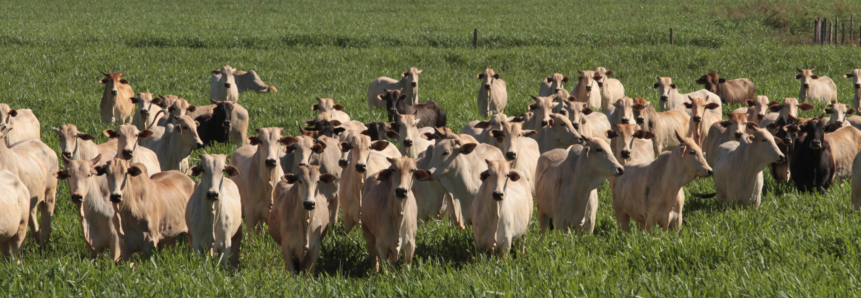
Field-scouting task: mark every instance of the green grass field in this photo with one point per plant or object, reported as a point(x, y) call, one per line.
point(793, 245)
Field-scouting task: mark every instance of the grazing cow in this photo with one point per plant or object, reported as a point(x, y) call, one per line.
point(587, 90)
point(566, 183)
point(245, 81)
point(362, 164)
point(409, 83)
point(76, 145)
point(787, 134)
point(856, 79)
point(35, 164)
point(813, 164)
point(116, 105)
point(623, 111)
point(701, 122)
point(454, 163)
point(90, 194)
point(430, 112)
point(588, 123)
point(815, 88)
point(127, 136)
point(376, 130)
point(389, 211)
point(789, 107)
point(663, 125)
point(840, 116)
point(15, 204)
point(501, 210)
point(519, 149)
point(552, 84)
point(559, 134)
point(611, 89)
point(651, 193)
point(409, 136)
point(492, 95)
point(739, 165)
point(148, 112)
point(756, 108)
point(733, 91)
point(176, 144)
point(630, 144)
point(227, 122)
point(151, 209)
point(671, 99)
point(24, 121)
point(327, 105)
point(480, 130)
point(300, 217)
point(225, 88)
point(722, 132)
point(259, 168)
point(541, 109)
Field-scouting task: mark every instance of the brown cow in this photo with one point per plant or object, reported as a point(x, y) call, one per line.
point(116, 105)
point(733, 91)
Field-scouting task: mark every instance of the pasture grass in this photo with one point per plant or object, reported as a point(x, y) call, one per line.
point(795, 244)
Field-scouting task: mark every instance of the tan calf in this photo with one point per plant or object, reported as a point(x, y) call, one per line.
point(789, 107)
point(116, 105)
point(409, 83)
point(552, 84)
point(630, 144)
point(722, 132)
point(671, 99)
point(732, 91)
point(176, 144)
point(148, 111)
point(611, 89)
point(663, 125)
point(300, 217)
point(623, 111)
point(651, 193)
point(259, 171)
point(15, 204)
point(225, 88)
point(559, 134)
point(128, 136)
point(480, 130)
point(701, 121)
point(519, 150)
point(845, 144)
point(23, 120)
point(588, 123)
point(389, 212)
point(840, 116)
point(756, 108)
point(409, 136)
point(815, 88)
point(541, 109)
point(587, 90)
point(362, 164)
point(739, 165)
point(492, 95)
point(214, 211)
point(501, 210)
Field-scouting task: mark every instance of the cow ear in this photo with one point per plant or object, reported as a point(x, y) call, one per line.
point(290, 178)
point(828, 111)
point(315, 107)
point(402, 97)
point(775, 108)
point(713, 106)
point(517, 119)
point(254, 140)
point(586, 111)
point(62, 175)
point(319, 147)
point(289, 149)
point(135, 100)
point(849, 75)
point(384, 175)
point(815, 77)
point(366, 132)
point(104, 81)
point(529, 133)
point(496, 134)
point(467, 148)
point(688, 105)
point(327, 178)
point(309, 123)
point(482, 124)
point(609, 72)
point(101, 170)
point(405, 74)
point(428, 136)
point(216, 72)
point(642, 134)
point(135, 171)
point(231, 171)
point(339, 130)
point(380, 145)
point(611, 134)
point(480, 76)
point(192, 108)
point(483, 176)
point(393, 134)
point(798, 76)
point(597, 78)
point(421, 175)
point(514, 176)
point(380, 97)
point(850, 112)
point(673, 85)
point(656, 85)
point(805, 106)
point(287, 141)
point(86, 136)
point(751, 126)
point(725, 123)
point(701, 80)
point(721, 80)
point(338, 107)
point(565, 79)
point(110, 133)
point(571, 98)
point(533, 106)
point(146, 133)
point(548, 79)
point(345, 147)
point(496, 76)
point(124, 81)
point(750, 102)
point(196, 170)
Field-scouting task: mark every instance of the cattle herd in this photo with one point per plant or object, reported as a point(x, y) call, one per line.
point(133, 193)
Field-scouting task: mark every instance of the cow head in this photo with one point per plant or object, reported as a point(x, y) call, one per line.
point(127, 136)
point(758, 107)
point(562, 131)
point(838, 112)
point(643, 110)
point(411, 79)
point(625, 135)
point(326, 105)
point(223, 113)
point(302, 148)
point(806, 76)
point(815, 130)
point(211, 171)
point(736, 124)
point(587, 79)
point(267, 142)
point(624, 112)
point(359, 147)
point(599, 157)
point(307, 179)
point(487, 78)
point(146, 104)
point(511, 139)
point(789, 107)
point(391, 97)
point(665, 86)
point(112, 81)
point(690, 158)
point(786, 132)
point(710, 80)
point(227, 80)
point(186, 130)
point(376, 130)
point(6, 113)
point(698, 107)
point(763, 145)
point(407, 131)
point(402, 172)
point(180, 107)
point(556, 81)
point(70, 139)
point(119, 174)
point(855, 76)
point(78, 173)
point(496, 177)
point(542, 108)
point(445, 152)
point(601, 74)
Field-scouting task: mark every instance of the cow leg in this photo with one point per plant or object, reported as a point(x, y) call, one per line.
point(382, 257)
point(310, 258)
point(371, 245)
point(455, 213)
point(543, 221)
point(116, 247)
point(287, 254)
point(34, 224)
point(235, 244)
point(348, 223)
point(588, 220)
point(408, 249)
point(4, 248)
point(624, 220)
point(503, 247)
point(47, 210)
point(252, 224)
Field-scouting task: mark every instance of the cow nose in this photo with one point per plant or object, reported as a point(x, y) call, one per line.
point(510, 155)
point(408, 143)
point(697, 118)
point(360, 168)
point(497, 195)
point(401, 192)
point(557, 89)
point(544, 123)
point(113, 92)
point(270, 162)
point(127, 154)
point(782, 158)
point(144, 113)
point(77, 198)
point(600, 84)
point(760, 116)
point(857, 86)
point(342, 163)
point(67, 154)
point(226, 123)
point(302, 164)
point(806, 85)
point(640, 120)
point(200, 145)
point(664, 98)
point(626, 121)
point(414, 84)
point(626, 154)
point(116, 198)
point(487, 86)
point(588, 88)
point(212, 196)
point(621, 170)
point(738, 135)
point(711, 172)
point(309, 205)
point(226, 85)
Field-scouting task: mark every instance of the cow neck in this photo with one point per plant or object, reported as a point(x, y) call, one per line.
point(397, 206)
point(412, 93)
point(581, 169)
point(176, 152)
point(96, 199)
point(132, 204)
point(518, 150)
point(671, 179)
point(264, 172)
point(217, 206)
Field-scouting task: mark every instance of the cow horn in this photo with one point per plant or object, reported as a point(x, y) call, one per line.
point(105, 74)
point(799, 69)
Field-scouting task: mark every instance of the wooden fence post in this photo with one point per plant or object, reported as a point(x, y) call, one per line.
point(475, 38)
point(836, 30)
point(843, 35)
point(816, 29)
point(672, 42)
point(823, 36)
point(851, 29)
point(831, 33)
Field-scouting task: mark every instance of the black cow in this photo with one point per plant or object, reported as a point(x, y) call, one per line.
point(322, 127)
point(376, 130)
point(812, 164)
point(430, 113)
point(215, 126)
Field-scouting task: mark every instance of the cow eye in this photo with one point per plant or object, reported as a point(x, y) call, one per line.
point(599, 150)
point(693, 152)
point(412, 170)
point(764, 140)
point(445, 153)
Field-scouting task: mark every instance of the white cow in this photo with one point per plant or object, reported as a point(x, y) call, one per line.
point(815, 88)
point(492, 95)
point(225, 88)
point(214, 211)
point(15, 204)
point(409, 83)
point(23, 120)
point(501, 210)
point(671, 99)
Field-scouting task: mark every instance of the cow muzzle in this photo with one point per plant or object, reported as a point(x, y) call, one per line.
point(343, 163)
point(114, 92)
point(145, 113)
point(620, 171)
point(544, 123)
point(211, 195)
point(200, 145)
point(401, 192)
point(588, 88)
point(781, 158)
point(738, 135)
point(816, 145)
point(414, 84)
point(805, 85)
point(76, 198)
point(67, 154)
point(497, 195)
point(270, 163)
point(408, 143)
point(626, 121)
point(640, 120)
point(626, 154)
point(226, 124)
point(127, 154)
point(361, 168)
point(857, 86)
point(487, 86)
point(600, 84)
point(664, 98)
point(697, 119)
point(510, 155)
point(227, 85)
point(760, 116)
point(309, 205)
point(116, 198)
